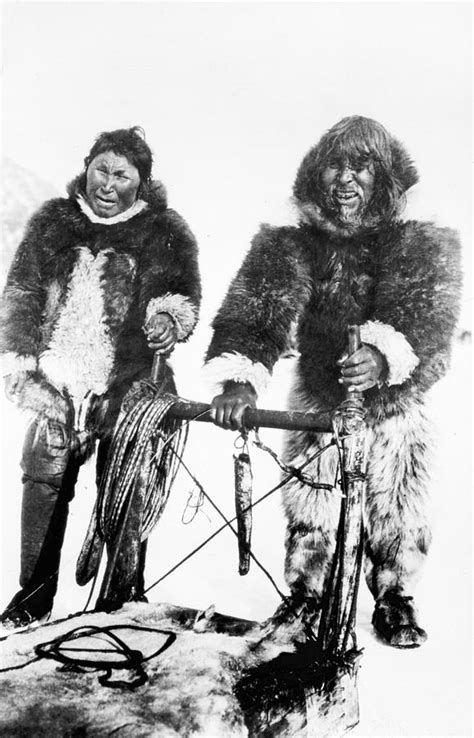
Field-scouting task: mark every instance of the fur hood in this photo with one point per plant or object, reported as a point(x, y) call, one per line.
point(395, 175)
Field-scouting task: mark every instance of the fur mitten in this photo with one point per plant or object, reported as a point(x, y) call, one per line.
point(36, 394)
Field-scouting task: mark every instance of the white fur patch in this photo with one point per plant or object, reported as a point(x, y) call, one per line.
point(399, 460)
point(317, 508)
point(235, 367)
point(178, 307)
point(125, 215)
point(400, 356)
point(397, 508)
point(80, 355)
point(12, 363)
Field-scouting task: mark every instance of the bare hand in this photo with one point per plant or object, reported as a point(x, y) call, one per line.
point(228, 409)
point(14, 384)
point(161, 333)
point(363, 369)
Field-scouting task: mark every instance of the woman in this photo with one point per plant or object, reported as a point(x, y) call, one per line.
point(101, 280)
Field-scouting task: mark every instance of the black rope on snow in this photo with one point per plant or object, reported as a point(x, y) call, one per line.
point(131, 659)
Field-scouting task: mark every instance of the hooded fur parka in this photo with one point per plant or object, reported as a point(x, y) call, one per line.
point(302, 286)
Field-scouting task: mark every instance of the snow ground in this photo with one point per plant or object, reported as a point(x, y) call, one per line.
point(425, 692)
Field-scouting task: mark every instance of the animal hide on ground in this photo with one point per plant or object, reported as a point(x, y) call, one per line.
point(200, 686)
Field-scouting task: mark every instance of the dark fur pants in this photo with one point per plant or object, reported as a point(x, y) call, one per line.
point(49, 475)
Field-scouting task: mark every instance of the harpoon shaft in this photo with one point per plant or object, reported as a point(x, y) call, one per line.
point(283, 419)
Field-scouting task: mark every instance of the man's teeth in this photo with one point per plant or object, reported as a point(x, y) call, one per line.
point(345, 195)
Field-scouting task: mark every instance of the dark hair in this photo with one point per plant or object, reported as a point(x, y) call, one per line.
point(128, 142)
point(358, 139)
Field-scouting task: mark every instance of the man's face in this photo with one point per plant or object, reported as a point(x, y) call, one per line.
point(348, 187)
point(112, 184)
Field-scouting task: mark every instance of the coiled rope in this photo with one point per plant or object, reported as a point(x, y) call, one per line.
point(141, 452)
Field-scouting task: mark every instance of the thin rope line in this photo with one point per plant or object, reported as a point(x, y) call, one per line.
point(219, 530)
point(229, 524)
point(232, 520)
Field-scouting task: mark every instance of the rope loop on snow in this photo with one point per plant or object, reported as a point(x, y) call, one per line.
point(129, 658)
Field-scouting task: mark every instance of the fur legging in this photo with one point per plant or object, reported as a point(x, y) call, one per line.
point(396, 515)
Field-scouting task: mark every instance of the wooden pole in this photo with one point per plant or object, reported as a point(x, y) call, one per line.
point(283, 419)
point(253, 418)
point(338, 615)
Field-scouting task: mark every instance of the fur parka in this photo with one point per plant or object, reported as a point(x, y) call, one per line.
point(80, 290)
point(400, 285)
point(300, 287)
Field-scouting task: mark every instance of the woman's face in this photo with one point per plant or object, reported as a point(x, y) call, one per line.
point(112, 184)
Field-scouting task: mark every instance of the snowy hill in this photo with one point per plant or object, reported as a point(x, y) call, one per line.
point(22, 193)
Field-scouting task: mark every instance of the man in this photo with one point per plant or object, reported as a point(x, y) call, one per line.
point(351, 260)
point(101, 280)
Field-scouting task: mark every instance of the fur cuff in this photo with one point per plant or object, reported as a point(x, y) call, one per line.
point(12, 363)
point(179, 308)
point(237, 368)
point(401, 358)
point(43, 399)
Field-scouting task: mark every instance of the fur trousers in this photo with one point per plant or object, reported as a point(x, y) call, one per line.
point(396, 508)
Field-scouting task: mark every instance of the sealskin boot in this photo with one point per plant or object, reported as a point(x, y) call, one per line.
point(395, 620)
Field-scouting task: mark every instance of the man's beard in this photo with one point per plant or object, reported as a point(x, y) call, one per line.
point(352, 214)
point(339, 219)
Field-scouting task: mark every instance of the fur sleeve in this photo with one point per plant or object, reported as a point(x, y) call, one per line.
point(170, 280)
point(24, 298)
point(254, 324)
point(418, 295)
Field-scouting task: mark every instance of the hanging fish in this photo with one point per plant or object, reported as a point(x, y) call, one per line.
point(243, 510)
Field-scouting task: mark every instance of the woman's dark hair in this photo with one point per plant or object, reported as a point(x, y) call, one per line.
point(358, 140)
point(128, 142)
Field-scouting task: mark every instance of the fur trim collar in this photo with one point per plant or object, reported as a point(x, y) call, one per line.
point(136, 208)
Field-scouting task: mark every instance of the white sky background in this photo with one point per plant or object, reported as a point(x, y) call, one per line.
point(231, 96)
